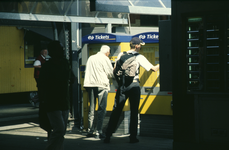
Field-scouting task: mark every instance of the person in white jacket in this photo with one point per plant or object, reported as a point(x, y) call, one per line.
point(96, 82)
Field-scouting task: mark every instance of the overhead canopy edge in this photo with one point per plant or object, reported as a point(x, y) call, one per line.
point(57, 18)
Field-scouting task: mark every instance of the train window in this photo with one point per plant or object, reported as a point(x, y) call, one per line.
point(33, 44)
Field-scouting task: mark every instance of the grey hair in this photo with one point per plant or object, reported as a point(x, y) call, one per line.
point(104, 49)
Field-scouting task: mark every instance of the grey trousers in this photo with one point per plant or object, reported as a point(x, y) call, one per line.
point(101, 94)
point(58, 120)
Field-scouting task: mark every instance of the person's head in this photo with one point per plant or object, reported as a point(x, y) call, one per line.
point(105, 49)
point(44, 52)
point(55, 49)
point(135, 43)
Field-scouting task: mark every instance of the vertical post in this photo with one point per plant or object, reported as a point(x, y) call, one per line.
point(55, 31)
point(108, 28)
point(76, 87)
point(129, 23)
point(76, 45)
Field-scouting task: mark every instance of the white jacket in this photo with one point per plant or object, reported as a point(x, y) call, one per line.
point(98, 71)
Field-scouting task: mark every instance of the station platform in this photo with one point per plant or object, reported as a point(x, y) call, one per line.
point(27, 135)
point(30, 136)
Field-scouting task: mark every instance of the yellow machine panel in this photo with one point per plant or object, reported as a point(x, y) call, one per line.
point(14, 77)
point(153, 104)
point(149, 78)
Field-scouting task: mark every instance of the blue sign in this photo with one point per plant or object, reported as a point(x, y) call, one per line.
point(106, 38)
point(148, 37)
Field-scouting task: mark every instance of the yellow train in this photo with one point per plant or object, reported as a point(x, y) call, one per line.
point(14, 76)
point(18, 47)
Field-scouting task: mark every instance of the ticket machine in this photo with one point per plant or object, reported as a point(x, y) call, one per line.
point(153, 101)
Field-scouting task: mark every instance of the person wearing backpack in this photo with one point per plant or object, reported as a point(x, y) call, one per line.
point(128, 87)
point(98, 71)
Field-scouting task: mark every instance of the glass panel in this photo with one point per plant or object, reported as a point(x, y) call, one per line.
point(146, 3)
point(9, 6)
point(143, 3)
point(67, 8)
point(29, 54)
point(114, 2)
point(51, 8)
point(167, 3)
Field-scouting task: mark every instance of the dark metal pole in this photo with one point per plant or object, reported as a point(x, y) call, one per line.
point(76, 62)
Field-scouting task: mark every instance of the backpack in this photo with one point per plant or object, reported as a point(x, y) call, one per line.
point(125, 68)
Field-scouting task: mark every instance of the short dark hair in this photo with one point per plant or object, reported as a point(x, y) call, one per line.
point(135, 41)
point(132, 46)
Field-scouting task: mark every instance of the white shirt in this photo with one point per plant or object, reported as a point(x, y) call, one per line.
point(98, 71)
point(38, 62)
point(141, 60)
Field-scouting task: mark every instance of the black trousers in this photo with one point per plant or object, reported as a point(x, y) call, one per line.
point(133, 93)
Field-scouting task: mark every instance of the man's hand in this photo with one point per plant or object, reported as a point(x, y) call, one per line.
point(155, 68)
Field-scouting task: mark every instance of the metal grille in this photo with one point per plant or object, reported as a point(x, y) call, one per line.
point(207, 53)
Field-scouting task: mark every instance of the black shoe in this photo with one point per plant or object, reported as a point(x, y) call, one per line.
point(106, 140)
point(134, 140)
point(90, 135)
point(101, 136)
